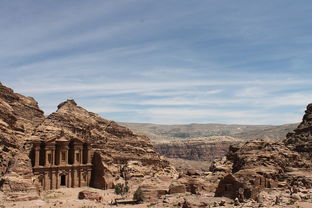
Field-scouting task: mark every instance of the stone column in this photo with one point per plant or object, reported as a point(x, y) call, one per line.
point(89, 176)
point(53, 179)
point(75, 156)
point(44, 181)
point(79, 177)
point(75, 146)
point(53, 155)
point(46, 151)
point(37, 154)
point(47, 181)
point(69, 179)
point(89, 155)
point(74, 178)
point(66, 154)
point(57, 181)
point(80, 155)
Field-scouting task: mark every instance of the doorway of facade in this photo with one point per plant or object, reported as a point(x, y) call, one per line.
point(63, 180)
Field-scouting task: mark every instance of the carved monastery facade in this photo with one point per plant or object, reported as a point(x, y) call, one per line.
point(60, 162)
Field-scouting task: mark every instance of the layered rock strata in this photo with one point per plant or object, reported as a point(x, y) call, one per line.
point(19, 116)
point(203, 149)
point(114, 146)
point(117, 151)
point(261, 164)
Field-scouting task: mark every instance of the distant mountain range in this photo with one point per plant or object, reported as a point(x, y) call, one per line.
point(161, 133)
point(197, 145)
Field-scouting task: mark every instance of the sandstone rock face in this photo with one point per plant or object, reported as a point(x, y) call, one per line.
point(114, 146)
point(117, 151)
point(204, 149)
point(19, 116)
point(176, 187)
point(300, 139)
point(257, 165)
point(261, 164)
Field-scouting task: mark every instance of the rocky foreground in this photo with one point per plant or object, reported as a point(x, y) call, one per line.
point(268, 171)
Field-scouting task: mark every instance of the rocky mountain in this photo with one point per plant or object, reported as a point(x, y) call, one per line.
point(195, 145)
point(19, 116)
point(274, 173)
point(261, 165)
point(114, 146)
point(117, 151)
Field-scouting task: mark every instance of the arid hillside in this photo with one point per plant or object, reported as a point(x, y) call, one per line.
point(118, 153)
point(196, 145)
point(160, 133)
point(273, 132)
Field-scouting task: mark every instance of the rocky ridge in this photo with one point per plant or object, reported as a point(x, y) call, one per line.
point(117, 151)
point(163, 133)
point(258, 173)
point(260, 165)
point(116, 148)
point(19, 116)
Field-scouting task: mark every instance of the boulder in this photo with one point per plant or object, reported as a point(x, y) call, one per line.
point(192, 172)
point(176, 187)
point(90, 195)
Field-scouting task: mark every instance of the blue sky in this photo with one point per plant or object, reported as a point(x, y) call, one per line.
point(170, 62)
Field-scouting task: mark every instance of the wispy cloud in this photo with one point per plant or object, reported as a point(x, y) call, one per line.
point(143, 61)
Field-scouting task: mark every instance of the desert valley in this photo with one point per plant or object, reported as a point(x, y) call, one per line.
point(75, 158)
point(155, 104)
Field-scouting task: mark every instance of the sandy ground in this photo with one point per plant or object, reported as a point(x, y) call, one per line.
point(68, 197)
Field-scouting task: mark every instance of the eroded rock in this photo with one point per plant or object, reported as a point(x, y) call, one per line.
point(262, 164)
point(90, 195)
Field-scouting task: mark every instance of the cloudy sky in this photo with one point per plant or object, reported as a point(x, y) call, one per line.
point(175, 61)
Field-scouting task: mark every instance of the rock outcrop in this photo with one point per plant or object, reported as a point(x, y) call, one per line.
point(300, 140)
point(115, 148)
point(19, 116)
point(260, 164)
point(117, 151)
point(90, 195)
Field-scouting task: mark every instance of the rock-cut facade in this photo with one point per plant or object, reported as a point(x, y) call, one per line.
point(61, 162)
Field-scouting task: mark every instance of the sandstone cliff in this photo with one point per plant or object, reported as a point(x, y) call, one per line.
point(260, 164)
point(300, 139)
point(118, 152)
point(202, 149)
point(19, 116)
point(115, 147)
